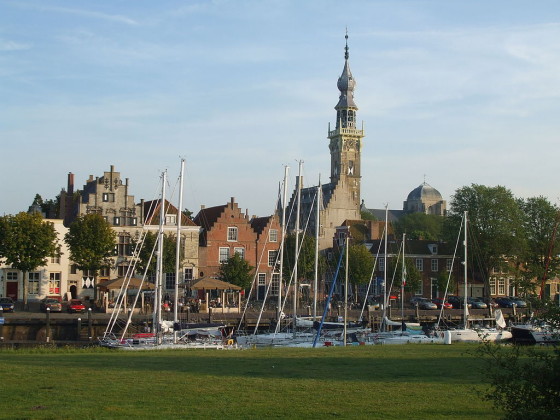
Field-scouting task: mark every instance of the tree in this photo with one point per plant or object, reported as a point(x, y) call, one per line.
point(524, 379)
point(420, 226)
point(495, 226)
point(360, 266)
point(26, 240)
point(541, 259)
point(306, 259)
point(91, 242)
point(236, 270)
point(413, 278)
point(149, 245)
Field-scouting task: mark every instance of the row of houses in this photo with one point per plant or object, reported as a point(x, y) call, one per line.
point(215, 234)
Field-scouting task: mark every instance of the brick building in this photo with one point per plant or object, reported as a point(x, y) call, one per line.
point(227, 230)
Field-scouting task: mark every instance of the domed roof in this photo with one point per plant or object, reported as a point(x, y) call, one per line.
point(424, 192)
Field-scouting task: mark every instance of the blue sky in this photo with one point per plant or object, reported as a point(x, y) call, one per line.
point(458, 92)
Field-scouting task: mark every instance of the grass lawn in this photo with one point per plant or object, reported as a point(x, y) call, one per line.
point(374, 382)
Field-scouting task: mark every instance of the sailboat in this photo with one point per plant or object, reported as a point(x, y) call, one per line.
point(405, 335)
point(164, 334)
point(472, 334)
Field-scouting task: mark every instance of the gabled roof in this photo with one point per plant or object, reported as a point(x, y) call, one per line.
point(151, 213)
point(206, 217)
point(258, 224)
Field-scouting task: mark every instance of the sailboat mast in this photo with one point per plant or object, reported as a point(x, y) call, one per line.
point(385, 268)
point(159, 263)
point(346, 287)
point(403, 277)
point(284, 196)
point(465, 309)
point(178, 246)
point(317, 226)
point(297, 246)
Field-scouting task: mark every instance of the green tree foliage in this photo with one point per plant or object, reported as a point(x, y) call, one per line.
point(495, 225)
point(420, 226)
point(360, 266)
point(26, 240)
point(412, 275)
point(237, 270)
point(51, 208)
point(91, 242)
point(524, 379)
point(540, 221)
point(306, 260)
point(148, 248)
point(366, 215)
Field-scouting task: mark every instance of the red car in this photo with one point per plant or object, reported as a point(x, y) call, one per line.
point(76, 305)
point(440, 301)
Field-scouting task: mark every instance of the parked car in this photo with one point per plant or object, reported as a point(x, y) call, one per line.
point(518, 301)
point(52, 304)
point(423, 303)
point(477, 303)
point(76, 305)
point(490, 302)
point(507, 302)
point(439, 302)
point(457, 301)
point(7, 304)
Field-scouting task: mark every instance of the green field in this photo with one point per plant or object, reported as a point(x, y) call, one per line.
point(379, 382)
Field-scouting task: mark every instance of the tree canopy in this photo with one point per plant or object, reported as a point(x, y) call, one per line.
point(236, 270)
point(91, 242)
point(26, 240)
point(169, 253)
point(541, 256)
point(420, 226)
point(494, 224)
point(306, 260)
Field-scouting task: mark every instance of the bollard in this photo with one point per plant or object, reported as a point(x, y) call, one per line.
point(90, 325)
point(48, 326)
point(2, 324)
point(79, 329)
point(209, 314)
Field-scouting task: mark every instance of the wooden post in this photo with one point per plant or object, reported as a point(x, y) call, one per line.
point(48, 325)
point(79, 329)
point(90, 325)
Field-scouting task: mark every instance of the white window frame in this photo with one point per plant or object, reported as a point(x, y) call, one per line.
point(55, 279)
point(449, 264)
point(261, 279)
point(435, 264)
point(232, 233)
point(492, 285)
point(223, 254)
point(240, 250)
point(419, 262)
point(381, 263)
point(272, 257)
point(273, 235)
point(501, 286)
point(33, 282)
point(275, 284)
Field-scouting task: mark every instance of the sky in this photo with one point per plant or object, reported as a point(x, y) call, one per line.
point(451, 92)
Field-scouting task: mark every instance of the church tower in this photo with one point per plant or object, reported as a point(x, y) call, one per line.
point(340, 198)
point(346, 140)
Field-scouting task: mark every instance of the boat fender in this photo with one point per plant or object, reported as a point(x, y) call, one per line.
point(230, 342)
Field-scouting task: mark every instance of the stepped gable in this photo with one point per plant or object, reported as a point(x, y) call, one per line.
point(207, 217)
point(258, 224)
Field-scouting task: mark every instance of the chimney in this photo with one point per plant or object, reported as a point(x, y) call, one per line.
point(202, 207)
point(232, 201)
point(70, 183)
